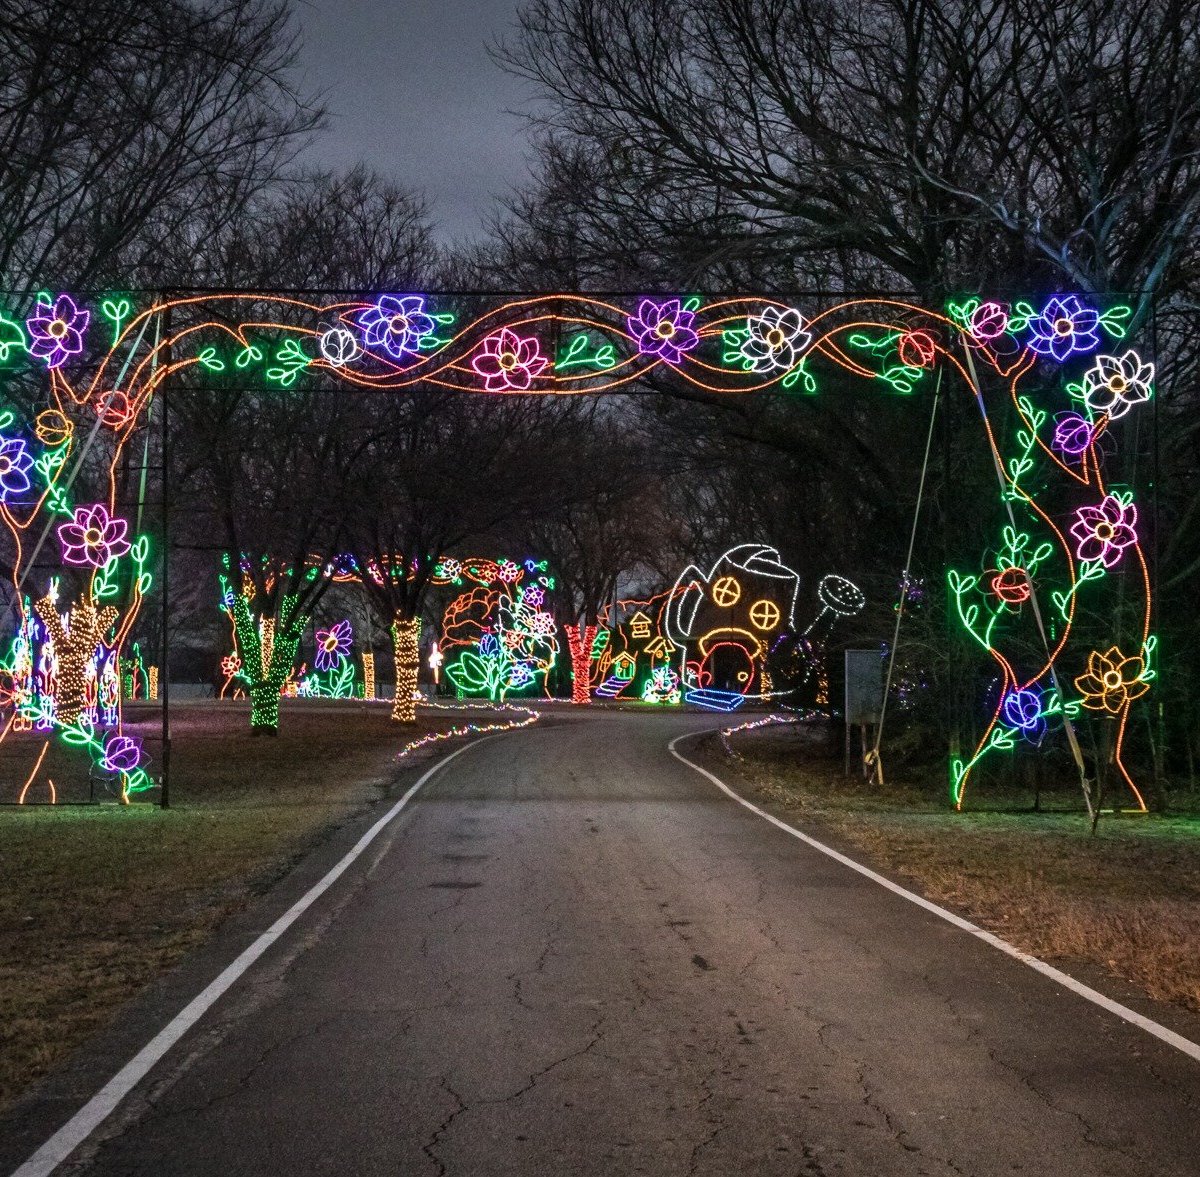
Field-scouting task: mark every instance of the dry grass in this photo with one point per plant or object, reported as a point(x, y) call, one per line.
point(1126, 900)
point(99, 900)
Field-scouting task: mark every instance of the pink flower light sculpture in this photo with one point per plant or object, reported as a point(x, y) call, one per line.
point(93, 537)
point(1102, 533)
point(989, 321)
point(507, 361)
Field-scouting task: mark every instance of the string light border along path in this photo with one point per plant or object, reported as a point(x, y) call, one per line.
point(763, 721)
point(530, 717)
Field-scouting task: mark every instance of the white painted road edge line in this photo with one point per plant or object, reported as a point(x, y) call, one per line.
point(97, 1109)
point(1184, 1045)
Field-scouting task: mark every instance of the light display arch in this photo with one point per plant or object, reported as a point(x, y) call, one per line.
point(1059, 368)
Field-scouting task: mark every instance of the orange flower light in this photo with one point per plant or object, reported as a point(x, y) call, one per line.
point(1111, 681)
point(115, 409)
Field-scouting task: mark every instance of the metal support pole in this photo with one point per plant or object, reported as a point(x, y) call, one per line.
point(164, 647)
point(1160, 734)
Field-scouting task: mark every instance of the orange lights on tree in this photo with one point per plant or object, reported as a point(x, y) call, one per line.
point(406, 645)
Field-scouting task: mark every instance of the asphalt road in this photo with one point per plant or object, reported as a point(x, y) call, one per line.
point(573, 955)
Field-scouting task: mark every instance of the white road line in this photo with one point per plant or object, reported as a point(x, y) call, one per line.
point(97, 1109)
point(1185, 1045)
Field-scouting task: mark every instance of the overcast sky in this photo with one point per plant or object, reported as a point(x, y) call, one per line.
point(412, 91)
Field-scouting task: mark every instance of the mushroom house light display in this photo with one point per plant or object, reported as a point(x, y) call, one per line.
point(729, 620)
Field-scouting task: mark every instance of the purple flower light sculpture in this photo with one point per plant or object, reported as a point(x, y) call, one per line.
point(93, 537)
point(56, 330)
point(1072, 434)
point(121, 753)
point(15, 464)
point(663, 329)
point(333, 644)
point(1065, 326)
point(1102, 533)
point(396, 324)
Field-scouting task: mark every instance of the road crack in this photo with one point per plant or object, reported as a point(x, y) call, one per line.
point(429, 1148)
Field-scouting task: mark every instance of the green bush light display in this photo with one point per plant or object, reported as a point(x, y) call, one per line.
point(268, 656)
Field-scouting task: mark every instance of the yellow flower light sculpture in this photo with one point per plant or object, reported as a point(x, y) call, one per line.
point(1112, 681)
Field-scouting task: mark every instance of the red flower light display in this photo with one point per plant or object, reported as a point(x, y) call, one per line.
point(917, 349)
point(1012, 586)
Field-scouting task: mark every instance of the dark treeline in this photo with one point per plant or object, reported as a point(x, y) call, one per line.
point(929, 147)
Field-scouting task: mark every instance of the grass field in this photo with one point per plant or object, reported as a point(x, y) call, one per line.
point(98, 900)
point(1126, 900)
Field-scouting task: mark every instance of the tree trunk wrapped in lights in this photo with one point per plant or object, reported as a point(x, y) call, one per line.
point(75, 644)
point(406, 638)
point(268, 656)
point(579, 641)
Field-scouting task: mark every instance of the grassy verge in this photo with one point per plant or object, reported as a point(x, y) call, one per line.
point(1126, 900)
point(98, 900)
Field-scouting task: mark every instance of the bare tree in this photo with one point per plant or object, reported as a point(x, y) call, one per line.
point(926, 146)
point(272, 471)
point(922, 144)
point(124, 125)
point(442, 469)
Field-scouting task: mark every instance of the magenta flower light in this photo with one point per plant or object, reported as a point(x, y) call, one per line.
point(15, 464)
point(56, 330)
point(663, 329)
point(1072, 434)
point(989, 321)
point(93, 537)
point(333, 644)
point(1102, 533)
point(506, 361)
point(122, 753)
point(1065, 326)
point(395, 324)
